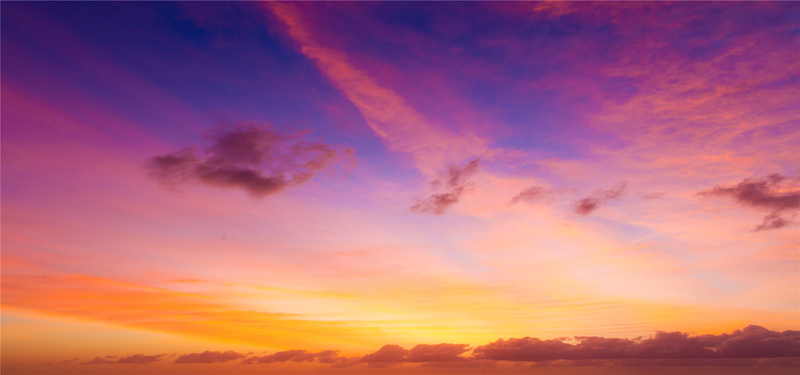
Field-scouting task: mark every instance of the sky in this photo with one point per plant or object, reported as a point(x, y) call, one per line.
point(402, 187)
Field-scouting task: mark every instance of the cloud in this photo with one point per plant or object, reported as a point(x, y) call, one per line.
point(387, 113)
point(455, 182)
point(751, 346)
point(759, 342)
point(99, 361)
point(438, 352)
point(751, 342)
point(532, 195)
point(64, 362)
point(775, 192)
point(209, 357)
point(251, 156)
point(387, 353)
point(140, 359)
point(419, 353)
point(136, 359)
point(652, 195)
point(591, 203)
point(295, 355)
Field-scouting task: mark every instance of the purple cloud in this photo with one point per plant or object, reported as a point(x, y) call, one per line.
point(251, 156)
point(455, 182)
point(591, 203)
point(775, 192)
point(532, 195)
point(751, 342)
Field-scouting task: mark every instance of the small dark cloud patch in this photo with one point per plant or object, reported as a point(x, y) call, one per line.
point(776, 193)
point(296, 355)
point(454, 181)
point(591, 203)
point(251, 156)
point(652, 195)
point(534, 194)
point(750, 342)
point(209, 357)
point(136, 359)
point(99, 361)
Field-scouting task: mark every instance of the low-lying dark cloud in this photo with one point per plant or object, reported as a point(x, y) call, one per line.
point(209, 357)
point(387, 353)
point(777, 193)
point(591, 203)
point(751, 346)
point(251, 156)
point(296, 355)
point(64, 362)
point(751, 342)
point(136, 359)
point(419, 353)
point(438, 352)
point(454, 182)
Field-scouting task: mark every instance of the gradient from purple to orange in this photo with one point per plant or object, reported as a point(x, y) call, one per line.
point(597, 134)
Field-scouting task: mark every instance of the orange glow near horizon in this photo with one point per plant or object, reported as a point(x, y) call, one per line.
point(416, 188)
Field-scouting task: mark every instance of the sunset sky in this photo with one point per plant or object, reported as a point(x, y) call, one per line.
point(340, 187)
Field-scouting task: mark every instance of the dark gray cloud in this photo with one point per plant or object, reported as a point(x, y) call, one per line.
point(776, 193)
point(751, 342)
point(587, 205)
point(209, 357)
point(296, 355)
point(454, 181)
point(251, 156)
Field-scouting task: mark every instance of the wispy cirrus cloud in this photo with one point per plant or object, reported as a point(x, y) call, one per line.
point(255, 157)
point(775, 192)
point(400, 125)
